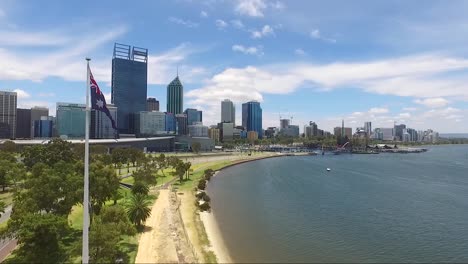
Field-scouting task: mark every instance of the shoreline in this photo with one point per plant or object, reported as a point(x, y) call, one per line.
point(211, 226)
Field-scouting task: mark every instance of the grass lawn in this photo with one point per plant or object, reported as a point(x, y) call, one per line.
point(6, 197)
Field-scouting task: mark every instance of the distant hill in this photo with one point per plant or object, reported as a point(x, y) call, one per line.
point(453, 135)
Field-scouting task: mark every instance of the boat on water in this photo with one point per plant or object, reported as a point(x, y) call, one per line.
point(328, 169)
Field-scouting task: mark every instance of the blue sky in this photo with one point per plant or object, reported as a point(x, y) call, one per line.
point(379, 61)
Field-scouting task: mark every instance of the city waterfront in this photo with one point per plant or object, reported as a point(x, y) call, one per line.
point(368, 208)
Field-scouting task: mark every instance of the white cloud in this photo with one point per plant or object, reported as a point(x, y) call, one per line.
point(413, 76)
point(248, 50)
point(220, 24)
point(253, 8)
point(203, 14)
point(300, 52)
point(21, 94)
point(315, 34)
point(277, 5)
point(267, 30)
point(378, 110)
point(2, 13)
point(17, 38)
point(404, 115)
point(433, 102)
point(186, 23)
point(236, 23)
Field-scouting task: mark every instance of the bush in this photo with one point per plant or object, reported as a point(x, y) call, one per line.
point(206, 198)
point(208, 174)
point(200, 195)
point(204, 207)
point(202, 184)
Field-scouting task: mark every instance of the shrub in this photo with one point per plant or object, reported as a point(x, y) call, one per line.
point(204, 207)
point(202, 184)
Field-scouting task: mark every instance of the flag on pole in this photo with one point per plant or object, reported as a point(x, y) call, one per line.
point(98, 101)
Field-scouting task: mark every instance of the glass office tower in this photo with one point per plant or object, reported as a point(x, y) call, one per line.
point(175, 97)
point(129, 84)
point(252, 117)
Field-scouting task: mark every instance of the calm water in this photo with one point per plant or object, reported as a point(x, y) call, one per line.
point(369, 208)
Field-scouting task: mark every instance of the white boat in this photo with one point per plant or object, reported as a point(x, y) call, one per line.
point(328, 169)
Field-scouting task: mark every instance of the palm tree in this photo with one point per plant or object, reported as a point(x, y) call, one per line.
point(138, 209)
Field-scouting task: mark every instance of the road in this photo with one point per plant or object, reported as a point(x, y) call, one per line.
point(6, 245)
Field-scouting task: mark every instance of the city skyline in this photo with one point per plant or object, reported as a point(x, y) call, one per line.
point(413, 71)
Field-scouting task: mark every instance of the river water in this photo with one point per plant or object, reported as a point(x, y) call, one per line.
point(368, 208)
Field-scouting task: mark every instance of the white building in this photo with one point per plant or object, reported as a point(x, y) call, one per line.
point(198, 130)
point(150, 123)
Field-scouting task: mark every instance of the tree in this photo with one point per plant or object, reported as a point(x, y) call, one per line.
point(201, 184)
point(145, 176)
point(9, 146)
point(138, 209)
point(208, 174)
point(40, 238)
point(187, 169)
point(162, 163)
point(103, 185)
point(56, 150)
point(50, 189)
point(196, 146)
point(106, 232)
point(140, 188)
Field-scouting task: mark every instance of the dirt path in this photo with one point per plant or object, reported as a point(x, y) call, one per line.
point(164, 240)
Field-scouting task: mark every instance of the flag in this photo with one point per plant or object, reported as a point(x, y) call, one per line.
point(98, 101)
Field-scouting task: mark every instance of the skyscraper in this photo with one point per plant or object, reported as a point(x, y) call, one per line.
point(284, 123)
point(71, 120)
point(175, 96)
point(101, 125)
point(368, 128)
point(182, 123)
point(193, 116)
point(228, 112)
point(252, 117)
point(129, 84)
point(8, 114)
point(152, 104)
point(23, 123)
point(398, 130)
point(36, 113)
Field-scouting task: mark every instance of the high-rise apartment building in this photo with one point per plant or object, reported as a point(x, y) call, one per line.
point(171, 123)
point(252, 117)
point(284, 123)
point(101, 125)
point(71, 120)
point(175, 96)
point(193, 116)
point(129, 84)
point(152, 104)
point(214, 134)
point(8, 102)
point(23, 123)
point(345, 131)
point(36, 113)
point(228, 112)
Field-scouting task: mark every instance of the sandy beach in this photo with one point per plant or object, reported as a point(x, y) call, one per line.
point(216, 240)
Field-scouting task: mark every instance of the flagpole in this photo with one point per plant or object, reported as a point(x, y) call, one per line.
point(85, 251)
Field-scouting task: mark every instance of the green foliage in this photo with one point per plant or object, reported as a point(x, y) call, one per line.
point(56, 150)
point(204, 206)
point(103, 185)
point(138, 209)
point(9, 146)
point(51, 189)
point(208, 174)
point(107, 230)
point(140, 188)
point(196, 146)
point(40, 238)
point(145, 176)
point(201, 184)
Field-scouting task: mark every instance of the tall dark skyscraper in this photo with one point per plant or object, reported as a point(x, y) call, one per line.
point(129, 84)
point(175, 97)
point(152, 104)
point(252, 117)
point(193, 116)
point(23, 123)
